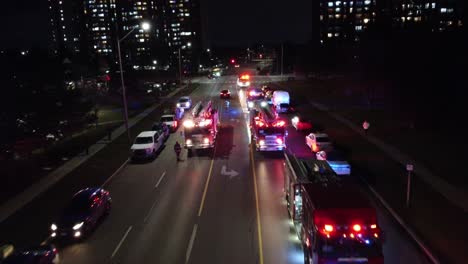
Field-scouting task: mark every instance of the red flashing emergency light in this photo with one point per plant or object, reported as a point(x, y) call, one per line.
point(233, 61)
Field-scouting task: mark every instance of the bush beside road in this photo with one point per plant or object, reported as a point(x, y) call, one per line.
point(434, 218)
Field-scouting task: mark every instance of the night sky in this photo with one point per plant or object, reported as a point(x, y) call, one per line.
point(242, 22)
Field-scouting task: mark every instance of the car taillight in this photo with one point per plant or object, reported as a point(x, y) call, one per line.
point(175, 123)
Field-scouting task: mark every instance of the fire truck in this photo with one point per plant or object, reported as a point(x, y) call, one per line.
point(268, 131)
point(201, 126)
point(334, 220)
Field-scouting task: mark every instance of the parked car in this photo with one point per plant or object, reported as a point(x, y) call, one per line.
point(318, 141)
point(82, 214)
point(162, 128)
point(225, 94)
point(146, 145)
point(46, 254)
point(171, 121)
point(184, 102)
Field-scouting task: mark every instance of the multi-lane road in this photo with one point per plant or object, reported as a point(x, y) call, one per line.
point(225, 206)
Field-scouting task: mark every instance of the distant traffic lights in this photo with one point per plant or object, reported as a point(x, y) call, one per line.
point(233, 61)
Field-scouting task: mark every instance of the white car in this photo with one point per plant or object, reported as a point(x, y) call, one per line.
point(184, 102)
point(243, 80)
point(318, 142)
point(146, 145)
point(336, 161)
point(170, 121)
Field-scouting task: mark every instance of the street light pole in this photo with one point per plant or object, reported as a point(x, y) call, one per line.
point(145, 26)
point(124, 93)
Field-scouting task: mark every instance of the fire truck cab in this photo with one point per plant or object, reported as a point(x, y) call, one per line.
point(338, 225)
point(268, 131)
point(200, 127)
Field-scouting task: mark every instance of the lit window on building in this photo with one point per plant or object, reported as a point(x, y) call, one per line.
point(443, 10)
point(358, 28)
point(338, 3)
point(367, 2)
point(366, 20)
point(337, 9)
point(330, 35)
point(433, 5)
point(330, 4)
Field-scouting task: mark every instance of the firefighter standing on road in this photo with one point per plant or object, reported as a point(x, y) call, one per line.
point(177, 149)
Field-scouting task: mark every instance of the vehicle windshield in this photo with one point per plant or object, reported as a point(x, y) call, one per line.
point(224, 91)
point(143, 140)
point(284, 105)
point(167, 119)
point(196, 130)
point(183, 100)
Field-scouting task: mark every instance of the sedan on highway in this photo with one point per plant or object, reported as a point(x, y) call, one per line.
point(82, 214)
point(38, 255)
point(225, 94)
point(318, 141)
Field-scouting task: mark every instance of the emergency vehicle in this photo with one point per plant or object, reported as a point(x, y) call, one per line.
point(200, 127)
point(243, 80)
point(333, 219)
point(268, 131)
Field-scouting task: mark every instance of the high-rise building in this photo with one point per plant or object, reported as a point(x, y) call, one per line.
point(435, 15)
point(93, 26)
point(100, 17)
point(142, 47)
point(181, 31)
point(345, 20)
point(66, 27)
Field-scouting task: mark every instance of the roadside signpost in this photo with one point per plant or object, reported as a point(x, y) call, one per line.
point(409, 169)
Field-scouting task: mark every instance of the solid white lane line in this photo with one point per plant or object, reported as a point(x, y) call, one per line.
point(121, 241)
point(115, 173)
point(190, 245)
point(160, 179)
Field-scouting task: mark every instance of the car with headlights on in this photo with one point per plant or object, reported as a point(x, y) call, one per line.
point(301, 124)
point(184, 102)
point(46, 254)
point(82, 214)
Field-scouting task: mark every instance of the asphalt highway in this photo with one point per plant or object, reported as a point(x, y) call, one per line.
point(224, 206)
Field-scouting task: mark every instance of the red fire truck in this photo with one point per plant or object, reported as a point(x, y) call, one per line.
point(200, 127)
point(338, 225)
point(268, 131)
point(333, 219)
